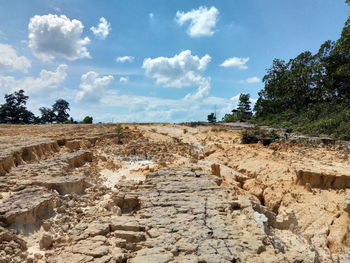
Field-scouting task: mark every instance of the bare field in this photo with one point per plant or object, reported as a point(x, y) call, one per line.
point(169, 193)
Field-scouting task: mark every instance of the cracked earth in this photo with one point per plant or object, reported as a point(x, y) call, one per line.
point(169, 193)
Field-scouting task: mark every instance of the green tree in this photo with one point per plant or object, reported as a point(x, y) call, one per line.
point(14, 109)
point(212, 117)
point(87, 120)
point(244, 111)
point(60, 109)
point(47, 115)
point(311, 92)
point(244, 103)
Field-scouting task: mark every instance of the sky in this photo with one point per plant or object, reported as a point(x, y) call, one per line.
point(154, 60)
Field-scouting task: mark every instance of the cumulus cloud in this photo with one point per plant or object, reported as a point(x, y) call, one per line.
point(9, 61)
point(92, 87)
point(125, 59)
point(239, 63)
point(251, 80)
point(151, 15)
point(182, 70)
point(44, 85)
point(103, 28)
point(132, 108)
point(123, 80)
point(200, 93)
point(202, 21)
point(52, 36)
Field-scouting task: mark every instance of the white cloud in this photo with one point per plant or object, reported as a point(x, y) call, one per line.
point(151, 15)
point(123, 80)
point(201, 92)
point(92, 87)
point(9, 61)
point(131, 108)
point(103, 28)
point(125, 59)
point(52, 36)
point(251, 80)
point(239, 63)
point(202, 21)
point(182, 70)
point(43, 86)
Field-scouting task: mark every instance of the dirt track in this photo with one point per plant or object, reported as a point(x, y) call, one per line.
point(169, 193)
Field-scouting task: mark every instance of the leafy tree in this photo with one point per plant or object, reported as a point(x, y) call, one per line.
point(60, 109)
point(311, 92)
point(212, 118)
point(14, 110)
point(244, 103)
point(47, 115)
point(244, 111)
point(87, 120)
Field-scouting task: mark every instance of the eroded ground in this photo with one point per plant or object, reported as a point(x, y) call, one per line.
point(169, 193)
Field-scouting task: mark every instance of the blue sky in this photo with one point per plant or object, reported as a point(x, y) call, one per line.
point(178, 59)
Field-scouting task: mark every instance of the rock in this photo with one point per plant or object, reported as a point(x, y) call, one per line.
point(130, 236)
point(46, 241)
point(68, 257)
point(91, 248)
point(154, 258)
point(27, 207)
point(152, 255)
point(215, 169)
point(68, 184)
point(321, 179)
point(346, 203)
point(285, 219)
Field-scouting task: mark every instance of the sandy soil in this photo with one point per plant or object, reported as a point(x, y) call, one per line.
point(301, 190)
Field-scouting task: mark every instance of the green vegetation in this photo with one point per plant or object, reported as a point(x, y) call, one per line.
point(14, 111)
point(256, 135)
point(212, 118)
point(87, 120)
point(310, 93)
point(242, 113)
point(60, 109)
point(119, 131)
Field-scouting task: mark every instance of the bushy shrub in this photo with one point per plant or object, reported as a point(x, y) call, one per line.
point(229, 118)
point(87, 120)
point(254, 135)
point(249, 136)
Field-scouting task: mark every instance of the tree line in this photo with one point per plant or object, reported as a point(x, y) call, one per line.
point(14, 111)
point(309, 93)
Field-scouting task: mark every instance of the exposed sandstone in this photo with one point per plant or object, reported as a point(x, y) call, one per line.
point(166, 195)
point(323, 180)
point(46, 241)
point(64, 184)
point(27, 207)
